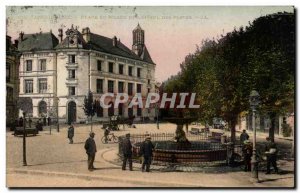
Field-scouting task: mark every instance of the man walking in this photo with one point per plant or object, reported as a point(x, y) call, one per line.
point(90, 147)
point(244, 136)
point(146, 151)
point(71, 133)
point(247, 154)
point(127, 152)
point(271, 153)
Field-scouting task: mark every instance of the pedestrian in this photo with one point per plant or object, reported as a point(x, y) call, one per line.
point(29, 122)
point(146, 151)
point(21, 122)
point(71, 134)
point(247, 154)
point(244, 136)
point(271, 154)
point(45, 121)
point(49, 120)
point(106, 133)
point(40, 125)
point(127, 152)
point(90, 147)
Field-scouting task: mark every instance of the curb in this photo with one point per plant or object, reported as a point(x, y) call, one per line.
point(98, 177)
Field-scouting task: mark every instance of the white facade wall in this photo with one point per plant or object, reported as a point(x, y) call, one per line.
point(86, 75)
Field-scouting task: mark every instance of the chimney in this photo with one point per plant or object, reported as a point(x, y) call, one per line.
point(21, 36)
point(60, 34)
point(114, 41)
point(16, 43)
point(86, 34)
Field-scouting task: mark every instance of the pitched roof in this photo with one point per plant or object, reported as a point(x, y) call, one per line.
point(38, 41)
point(146, 56)
point(104, 44)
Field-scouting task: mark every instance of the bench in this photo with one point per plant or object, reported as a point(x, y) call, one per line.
point(28, 131)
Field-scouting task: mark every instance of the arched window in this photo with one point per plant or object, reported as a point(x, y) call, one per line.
point(121, 109)
point(42, 108)
point(99, 109)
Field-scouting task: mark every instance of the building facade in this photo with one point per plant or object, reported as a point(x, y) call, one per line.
point(12, 81)
point(57, 73)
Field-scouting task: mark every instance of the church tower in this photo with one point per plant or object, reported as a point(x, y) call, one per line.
point(138, 40)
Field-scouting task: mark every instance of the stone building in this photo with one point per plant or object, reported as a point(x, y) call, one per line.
point(12, 81)
point(57, 73)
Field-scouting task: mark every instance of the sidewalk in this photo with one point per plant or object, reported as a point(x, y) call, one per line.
point(52, 156)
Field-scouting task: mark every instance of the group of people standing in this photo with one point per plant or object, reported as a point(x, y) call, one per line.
point(270, 153)
point(146, 150)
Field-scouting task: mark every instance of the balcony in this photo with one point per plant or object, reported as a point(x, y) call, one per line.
point(71, 66)
point(71, 81)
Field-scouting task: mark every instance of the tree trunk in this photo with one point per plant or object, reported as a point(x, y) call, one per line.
point(272, 126)
point(232, 124)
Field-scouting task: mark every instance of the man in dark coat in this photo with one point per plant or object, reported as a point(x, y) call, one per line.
point(90, 147)
point(71, 133)
point(49, 120)
point(244, 136)
point(29, 122)
point(127, 152)
point(146, 151)
point(21, 122)
point(271, 154)
point(45, 121)
point(247, 154)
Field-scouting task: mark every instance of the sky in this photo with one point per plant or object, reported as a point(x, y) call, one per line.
point(171, 33)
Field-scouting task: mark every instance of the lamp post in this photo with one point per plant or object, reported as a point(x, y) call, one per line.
point(57, 117)
point(254, 102)
point(24, 140)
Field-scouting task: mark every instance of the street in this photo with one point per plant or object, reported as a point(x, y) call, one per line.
point(53, 162)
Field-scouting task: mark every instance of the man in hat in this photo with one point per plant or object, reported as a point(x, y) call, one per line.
point(146, 151)
point(247, 153)
point(271, 154)
point(90, 147)
point(127, 152)
point(71, 133)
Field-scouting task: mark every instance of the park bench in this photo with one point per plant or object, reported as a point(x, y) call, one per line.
point(29, 131)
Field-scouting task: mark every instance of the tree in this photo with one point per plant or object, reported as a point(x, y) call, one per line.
point(89, 107)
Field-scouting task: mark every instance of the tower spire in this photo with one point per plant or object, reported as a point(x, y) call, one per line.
point(138, 40)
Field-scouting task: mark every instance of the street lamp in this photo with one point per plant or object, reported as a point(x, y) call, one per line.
point(254, 102)
point(24, 140)
point(57, 104)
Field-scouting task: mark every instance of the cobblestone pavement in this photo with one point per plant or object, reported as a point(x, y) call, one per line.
point(51, 155)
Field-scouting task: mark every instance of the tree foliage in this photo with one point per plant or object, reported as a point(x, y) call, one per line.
point(223, 72)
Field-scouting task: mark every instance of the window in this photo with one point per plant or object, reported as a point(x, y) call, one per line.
point(71, 90)
point(99, 65)
point(130, 88)
point(99, 109)
point(148, 90)
point(71, 59)
point(71, 74)
point(28, 65)
point(138, 88)
point(139, 112)
point(148, 81)
point(111, 67)
point(139, 72)
point(28, 86)
point(110, 86)
point(130, 70)
point(99, 86)
point(121, 87)
point(43, 85)
point(121, 69)
point(42, 65)
point(7, 73)
point(9, 94)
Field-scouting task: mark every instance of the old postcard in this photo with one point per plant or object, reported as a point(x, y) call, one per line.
point(124, 96)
